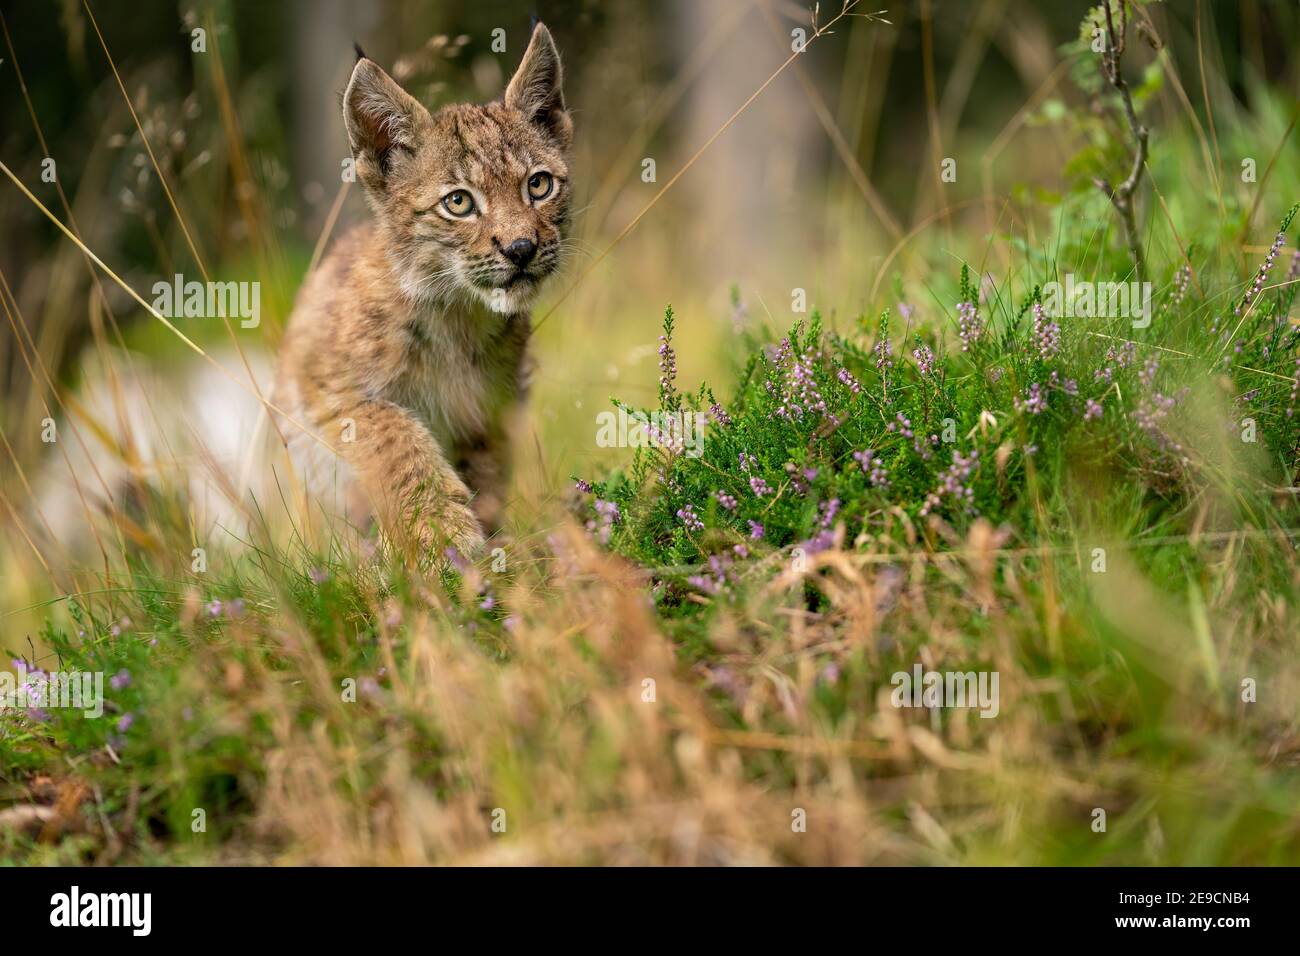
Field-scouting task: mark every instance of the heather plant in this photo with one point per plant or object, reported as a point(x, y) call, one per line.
point(830, 440)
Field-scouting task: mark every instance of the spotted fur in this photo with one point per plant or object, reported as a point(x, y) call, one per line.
point(411, 338)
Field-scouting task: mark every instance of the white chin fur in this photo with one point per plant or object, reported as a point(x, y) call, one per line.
point(509, 301)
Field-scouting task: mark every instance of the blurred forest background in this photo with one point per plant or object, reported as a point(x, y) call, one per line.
point(811, 187)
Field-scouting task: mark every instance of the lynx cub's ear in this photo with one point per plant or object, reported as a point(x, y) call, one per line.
point(535, 91)
point(382, 121)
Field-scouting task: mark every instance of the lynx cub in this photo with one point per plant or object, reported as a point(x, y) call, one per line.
point(407, 348)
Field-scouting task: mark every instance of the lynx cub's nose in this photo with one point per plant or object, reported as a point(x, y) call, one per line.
point(520, 252)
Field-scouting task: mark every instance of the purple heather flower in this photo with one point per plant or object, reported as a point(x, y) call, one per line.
point(726, 500)
point(214, 608)
point(924, 359)
point(1154, 406)
point(799, 393)
point(689, 518)
point(747, 461)
point(800, 478)
point(846, 377)
point(702, 582)
point(1262, 273)
point(954, 483)
point(1034, 402)
point(828, 511)
point(719, 414)
point(1047, 334)
point(902, 424)
point(756, 530)
point(124, 723)
point(716, 580)
point(1116, 359)
point(871, 467)
point(119, 680)
point(1182, 278)
point(822, 541)
point(320, 575)
point(759, 486)
point(969, 326)
point(920, 446)
point(1092, 409)
point(882, 350)
point(608, 514)
point(667, 367)
point(1148, 374)
point(661, 438)
point(488, 603)
point(724, 678)
point(583, 485)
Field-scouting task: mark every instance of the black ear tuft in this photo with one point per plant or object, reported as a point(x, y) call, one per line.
point(533, 20)
point(361, 54)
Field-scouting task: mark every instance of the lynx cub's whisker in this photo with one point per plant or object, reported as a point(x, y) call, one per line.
point(408, 345)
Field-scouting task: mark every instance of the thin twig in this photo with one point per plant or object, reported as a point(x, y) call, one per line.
point(1121, 196)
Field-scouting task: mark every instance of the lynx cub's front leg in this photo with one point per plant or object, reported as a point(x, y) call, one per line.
point(406, 475)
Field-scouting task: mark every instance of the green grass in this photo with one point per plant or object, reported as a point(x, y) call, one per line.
point(327, 707)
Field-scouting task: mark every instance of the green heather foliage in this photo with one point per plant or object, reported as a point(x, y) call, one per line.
point(955, 417)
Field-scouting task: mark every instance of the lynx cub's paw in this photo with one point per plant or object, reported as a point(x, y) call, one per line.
point(454, 526)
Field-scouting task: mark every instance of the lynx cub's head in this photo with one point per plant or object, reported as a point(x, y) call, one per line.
point(471, 200)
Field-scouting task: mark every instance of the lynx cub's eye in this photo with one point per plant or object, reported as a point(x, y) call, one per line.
point(540, 185)
point(459, 203)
